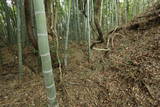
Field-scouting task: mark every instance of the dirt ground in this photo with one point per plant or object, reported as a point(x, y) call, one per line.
point(126, 76)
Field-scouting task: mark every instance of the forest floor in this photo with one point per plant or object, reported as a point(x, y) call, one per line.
point(126, 76)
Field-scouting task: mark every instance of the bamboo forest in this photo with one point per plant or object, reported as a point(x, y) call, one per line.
point(79, 53)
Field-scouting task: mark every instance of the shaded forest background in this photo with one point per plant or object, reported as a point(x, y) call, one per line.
point(103, 52)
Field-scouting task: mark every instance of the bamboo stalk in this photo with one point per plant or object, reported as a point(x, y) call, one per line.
point(88, 28)
point(67, 35)
point(19, 28)
point(44, 52)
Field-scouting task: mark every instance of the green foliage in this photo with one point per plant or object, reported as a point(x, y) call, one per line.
point(7, 23)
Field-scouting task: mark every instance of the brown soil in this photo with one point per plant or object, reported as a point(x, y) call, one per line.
point(126, 76)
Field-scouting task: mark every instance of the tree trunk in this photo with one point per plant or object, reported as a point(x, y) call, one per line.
point(97, 10)
point(44, 51)
point(67, 35)
point(19, 30)
point(30, 24)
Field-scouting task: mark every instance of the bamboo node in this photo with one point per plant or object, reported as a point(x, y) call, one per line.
point(50, 86)
point(39, 12)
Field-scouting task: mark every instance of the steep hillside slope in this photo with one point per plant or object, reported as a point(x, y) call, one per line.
point(126, 76)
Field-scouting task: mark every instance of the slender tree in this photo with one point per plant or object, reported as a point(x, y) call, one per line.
point(19, 29)
point(44, 51)
point(101, 14)
point(88, 28)
point(78, 21)
point(67, 34)
point(126, 10)
point(23, 24)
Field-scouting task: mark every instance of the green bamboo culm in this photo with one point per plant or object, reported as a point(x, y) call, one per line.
point(67, 35)
point(23, 25)
point(44, 52)
point(19, 29)
point(88, 30)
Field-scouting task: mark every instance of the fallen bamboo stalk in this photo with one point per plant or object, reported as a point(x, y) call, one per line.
point(101, 49)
